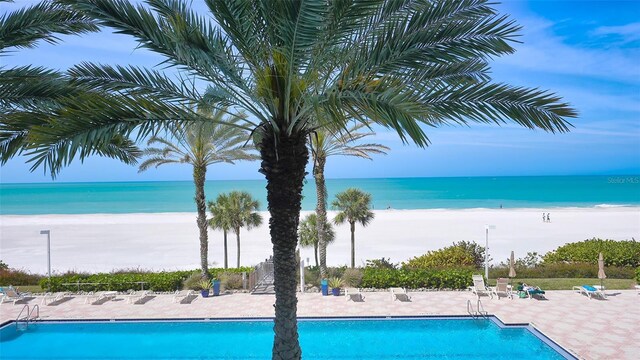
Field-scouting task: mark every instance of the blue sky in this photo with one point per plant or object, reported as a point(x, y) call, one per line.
point(586, 51)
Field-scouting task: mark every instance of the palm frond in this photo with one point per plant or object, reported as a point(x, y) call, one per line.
point(44, 21)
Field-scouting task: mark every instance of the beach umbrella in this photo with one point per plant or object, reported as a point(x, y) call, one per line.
point(601, 274)
point(512, 266)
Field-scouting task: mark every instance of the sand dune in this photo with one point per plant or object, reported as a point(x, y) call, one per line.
point(102, 242)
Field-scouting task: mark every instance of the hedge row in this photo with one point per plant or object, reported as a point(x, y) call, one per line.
point(564, 270)
point(638, 275)
point(615, 253)
point(161, 281)
point(18, 277)
point(416, 279)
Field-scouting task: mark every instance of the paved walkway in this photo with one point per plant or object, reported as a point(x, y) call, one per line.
point(591, 329)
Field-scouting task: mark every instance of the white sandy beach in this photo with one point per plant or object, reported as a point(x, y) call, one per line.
point(103, 242)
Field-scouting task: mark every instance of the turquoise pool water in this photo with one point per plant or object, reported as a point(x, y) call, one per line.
point(320, 339)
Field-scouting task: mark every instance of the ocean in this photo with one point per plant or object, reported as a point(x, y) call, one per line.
point(395, 193)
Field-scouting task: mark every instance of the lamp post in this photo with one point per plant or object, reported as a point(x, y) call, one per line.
point(486, 250)
point(48, 233)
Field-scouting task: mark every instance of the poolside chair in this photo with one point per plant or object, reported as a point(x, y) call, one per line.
point(638, 289)
point(52, 298)
point(479, 288)
point(9, 294)
point(181, 295)
point(135, 296)
point(399, 294)
point(592, 292)
point(100, 297)
point(353, 294)
point(532, 291)
point(502, 288)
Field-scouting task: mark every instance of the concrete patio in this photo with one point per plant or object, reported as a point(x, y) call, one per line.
point(591, 329)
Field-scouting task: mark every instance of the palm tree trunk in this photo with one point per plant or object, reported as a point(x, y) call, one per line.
point(353, 245)
point(321, 212)
point(199, 176)
point(226, 262)
point(284, 169)
point(315, 252)
point(238, 243)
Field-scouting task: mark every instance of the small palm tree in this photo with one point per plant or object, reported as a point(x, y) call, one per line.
point(308, 233)
point(201, 145)
point(220, 220)
point(325, 143)
point(354, 207)
point(242, 213)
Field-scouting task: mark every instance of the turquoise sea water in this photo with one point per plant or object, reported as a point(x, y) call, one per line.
point(397, 193)
point(335, 339)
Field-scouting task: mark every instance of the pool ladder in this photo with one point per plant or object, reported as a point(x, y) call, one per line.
point(31, 316)
point(478, 311)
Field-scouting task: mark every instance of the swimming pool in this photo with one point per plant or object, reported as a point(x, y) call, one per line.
point(353, 338)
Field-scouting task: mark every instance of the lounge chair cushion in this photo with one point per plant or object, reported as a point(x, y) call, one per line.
point(535, 291)
point(589, 288)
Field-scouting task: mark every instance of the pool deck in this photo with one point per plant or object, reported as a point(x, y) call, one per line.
point(590, 329)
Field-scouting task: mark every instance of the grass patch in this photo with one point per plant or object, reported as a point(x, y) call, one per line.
point(568, 283)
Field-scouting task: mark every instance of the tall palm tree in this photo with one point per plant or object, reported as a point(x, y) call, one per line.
point(354, 206)
point(405, 65)
point(242, 213)
point(325, 143)
point(220, 220)
point(201, 145)
point(308, 234)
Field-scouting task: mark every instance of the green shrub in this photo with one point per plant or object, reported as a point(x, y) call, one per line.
point(414, 279)
point(193, 281)
point(451, 256)
point(17, 277)
point(352, 277)
point(381, 263)
point(118, 281)
point(335, 283)
point(616, 253)
point(231, 281)
point(3, 265)
point(638, 275)
point(563, 270)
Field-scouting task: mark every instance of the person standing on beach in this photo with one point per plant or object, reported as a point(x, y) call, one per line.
point(548, 218)
point(544, 219)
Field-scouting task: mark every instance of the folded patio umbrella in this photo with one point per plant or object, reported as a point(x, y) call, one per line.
point(601, 274)
point(512, 264)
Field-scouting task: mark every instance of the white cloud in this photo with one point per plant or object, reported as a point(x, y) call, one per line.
point(627, 33)
point(544, 51)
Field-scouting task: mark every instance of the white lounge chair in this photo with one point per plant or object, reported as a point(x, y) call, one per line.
point(399, 294)
point(592, 292)
point(479, 287)
point(180, 295)
point(638, 289)
point(502, 288)
point(94, 298)
point(50, 298)
point(136, 296)
point(353, 294)
point(9, 294)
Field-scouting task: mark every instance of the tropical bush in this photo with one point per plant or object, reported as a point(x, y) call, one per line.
point(381, 263)
point(638, 275)
point(335, 283)
point(616, 253)
point(193, 281)
point(17, 277)
point(154, 281)
point(352, 277)
point(231, 281)
point(451, 256)
point(415, 279)
point(563, 270)
point(3, 265)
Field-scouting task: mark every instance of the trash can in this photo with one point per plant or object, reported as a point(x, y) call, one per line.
point(324, 285)
point(216, 287)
